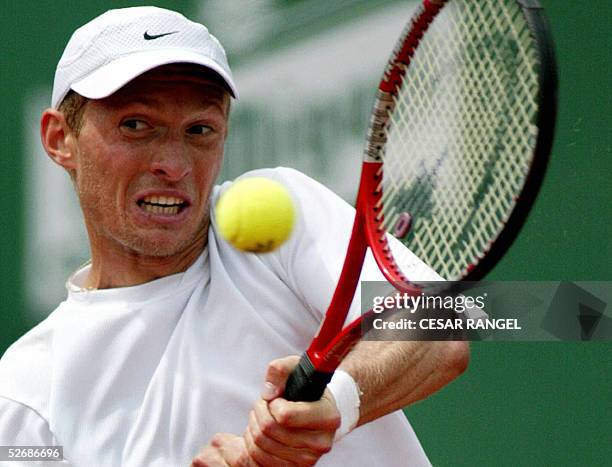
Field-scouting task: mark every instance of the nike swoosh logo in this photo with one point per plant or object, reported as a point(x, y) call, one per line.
point(149, 37)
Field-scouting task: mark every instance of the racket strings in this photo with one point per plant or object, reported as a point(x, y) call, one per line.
point(461, 133)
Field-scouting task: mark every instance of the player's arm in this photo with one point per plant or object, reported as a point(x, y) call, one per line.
point(390, 375)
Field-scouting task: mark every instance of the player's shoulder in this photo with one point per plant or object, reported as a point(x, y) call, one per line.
point(26, 367)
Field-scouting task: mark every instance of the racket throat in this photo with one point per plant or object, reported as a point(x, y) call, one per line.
point(345, 289)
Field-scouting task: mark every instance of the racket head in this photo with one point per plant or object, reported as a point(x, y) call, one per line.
point(410, 146)
point(459, 138)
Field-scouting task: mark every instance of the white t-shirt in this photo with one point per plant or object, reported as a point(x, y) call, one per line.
point(146, 375)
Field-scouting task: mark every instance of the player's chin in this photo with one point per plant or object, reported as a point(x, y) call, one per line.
point(159, 244)
point(165, 234)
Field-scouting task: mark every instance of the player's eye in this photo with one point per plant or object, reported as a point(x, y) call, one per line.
point(134, 124)
point(199, 129)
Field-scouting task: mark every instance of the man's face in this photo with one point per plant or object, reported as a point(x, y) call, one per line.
point(146, 160)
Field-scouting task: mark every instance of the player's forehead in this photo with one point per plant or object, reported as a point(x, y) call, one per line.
point(205, 84)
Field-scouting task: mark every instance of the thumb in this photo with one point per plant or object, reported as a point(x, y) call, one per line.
point(276, 376)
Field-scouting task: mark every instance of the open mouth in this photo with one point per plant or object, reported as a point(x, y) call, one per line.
point(165, 205)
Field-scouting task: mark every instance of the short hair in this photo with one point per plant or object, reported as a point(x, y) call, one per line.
point(73, 107)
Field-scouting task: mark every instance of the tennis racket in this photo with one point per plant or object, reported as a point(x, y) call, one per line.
point(457, 147)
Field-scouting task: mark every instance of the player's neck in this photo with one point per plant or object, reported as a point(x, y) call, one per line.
point(122, 268)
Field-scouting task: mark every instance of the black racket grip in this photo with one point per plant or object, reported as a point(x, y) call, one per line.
point(305, 383)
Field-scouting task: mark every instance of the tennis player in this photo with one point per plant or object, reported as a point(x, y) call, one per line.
point(171, 346)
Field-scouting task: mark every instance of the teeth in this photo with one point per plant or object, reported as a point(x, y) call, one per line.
point(168, 210)
point(166, 200)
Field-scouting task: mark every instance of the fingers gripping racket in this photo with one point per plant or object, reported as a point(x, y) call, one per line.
point(456, 151)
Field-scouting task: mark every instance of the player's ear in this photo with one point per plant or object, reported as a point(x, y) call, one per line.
point(58, 139)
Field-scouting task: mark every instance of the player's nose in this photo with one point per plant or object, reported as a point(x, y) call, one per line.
point(171, 163)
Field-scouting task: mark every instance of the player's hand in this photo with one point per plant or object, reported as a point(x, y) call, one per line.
point(283, 433)
point(224, 450)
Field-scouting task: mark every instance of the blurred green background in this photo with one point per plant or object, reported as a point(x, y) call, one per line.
point(519, 403)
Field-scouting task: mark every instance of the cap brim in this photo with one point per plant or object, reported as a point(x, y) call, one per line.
point(113, 76)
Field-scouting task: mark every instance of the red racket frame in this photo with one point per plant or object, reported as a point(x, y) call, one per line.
point(332, 343)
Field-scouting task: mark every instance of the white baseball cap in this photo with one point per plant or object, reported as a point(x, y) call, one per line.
point(119, 45)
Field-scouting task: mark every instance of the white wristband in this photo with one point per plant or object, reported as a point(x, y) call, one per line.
point(346, 394)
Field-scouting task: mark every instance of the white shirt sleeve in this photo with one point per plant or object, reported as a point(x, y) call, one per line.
point(22, 426)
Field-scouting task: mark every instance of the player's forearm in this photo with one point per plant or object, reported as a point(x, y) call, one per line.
point(392, 375)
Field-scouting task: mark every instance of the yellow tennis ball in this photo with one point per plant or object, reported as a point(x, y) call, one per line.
point(255, 214)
